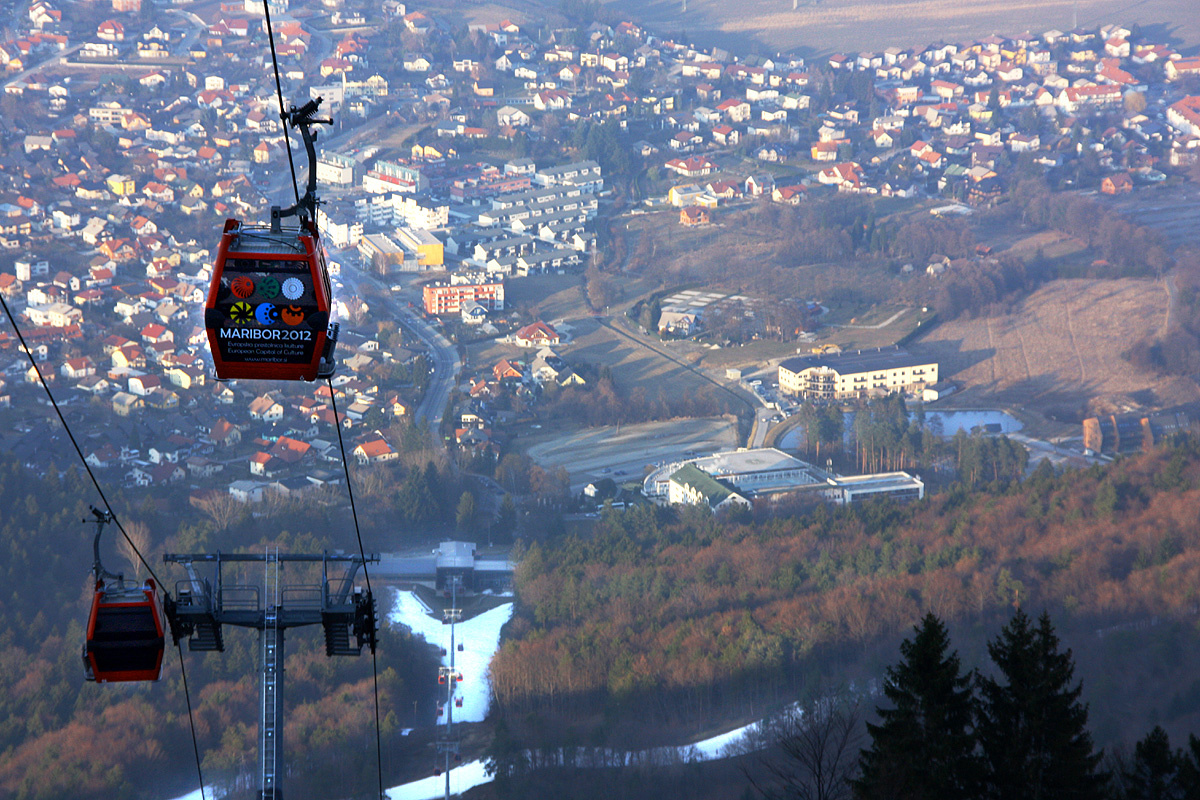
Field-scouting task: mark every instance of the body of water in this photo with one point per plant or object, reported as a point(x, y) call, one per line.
point(942, 423)
point(948, 423)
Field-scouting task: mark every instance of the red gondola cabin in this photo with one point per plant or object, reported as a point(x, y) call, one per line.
point(124, 634)
point(268, 307)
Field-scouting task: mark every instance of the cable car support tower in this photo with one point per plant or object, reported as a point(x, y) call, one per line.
point(199, 611)
point(448, 745)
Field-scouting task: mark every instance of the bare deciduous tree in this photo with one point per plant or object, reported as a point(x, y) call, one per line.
point(139, 538)
point(814, 753)
point(222, 507)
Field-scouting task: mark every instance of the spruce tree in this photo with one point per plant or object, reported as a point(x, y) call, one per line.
point(923, 746)
point(1153, 775)
point(1032, 726)
point(1188, 776)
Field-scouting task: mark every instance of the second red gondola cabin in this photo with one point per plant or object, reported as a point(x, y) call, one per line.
point(125, 638)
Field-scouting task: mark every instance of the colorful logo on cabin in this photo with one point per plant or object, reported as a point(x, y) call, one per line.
point(241, 287)
point(241, 313)
point(266, 313)
point(268, 287)
point(292, 315)
point(293, 288)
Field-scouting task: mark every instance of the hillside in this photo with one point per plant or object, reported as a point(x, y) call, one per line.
point(673, 620)
point(1062, 347)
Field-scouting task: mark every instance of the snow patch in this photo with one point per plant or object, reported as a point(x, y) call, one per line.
point(462, 778)
point(480, 638)
point(209, 794)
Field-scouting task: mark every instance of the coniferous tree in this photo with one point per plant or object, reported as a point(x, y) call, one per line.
point(923, 746)
point(1188, 776)
point(1032, 726)
point(1153, 775)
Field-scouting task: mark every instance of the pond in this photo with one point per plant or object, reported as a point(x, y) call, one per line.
point(942, 423)
point(948, 423)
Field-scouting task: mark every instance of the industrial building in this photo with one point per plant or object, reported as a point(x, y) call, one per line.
point(736, 477)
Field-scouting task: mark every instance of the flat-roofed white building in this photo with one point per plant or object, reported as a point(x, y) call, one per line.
point(739, 476)
point(762, 470)
point(856, 373)
point(584, 174)
point(854, 488)
point(54, 315)
point(337, 169)
point(380, 253)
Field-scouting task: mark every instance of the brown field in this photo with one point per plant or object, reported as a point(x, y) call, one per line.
point(1172, 209)
point(857, 25)
point(633, 365)
point(1061, 349)
point(730, 255)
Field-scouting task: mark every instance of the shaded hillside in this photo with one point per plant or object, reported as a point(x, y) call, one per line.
point(667, 620)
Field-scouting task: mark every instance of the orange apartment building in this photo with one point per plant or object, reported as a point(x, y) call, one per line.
point(441, 298)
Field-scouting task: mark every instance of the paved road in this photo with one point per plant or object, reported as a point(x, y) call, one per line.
point(52, 60)
point(623, 453)
point(446, 366)
point(443, 355)
point(762, 423)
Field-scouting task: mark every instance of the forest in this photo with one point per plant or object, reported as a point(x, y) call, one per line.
point(63, 737)
point(665, 621)
point(884, 436)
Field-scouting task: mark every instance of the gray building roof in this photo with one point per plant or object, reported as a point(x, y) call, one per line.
point(855, 361)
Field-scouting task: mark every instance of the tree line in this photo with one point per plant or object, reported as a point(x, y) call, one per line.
point(845, 227)
point(884, 436)
point(1018, 730)
point(602, 401)
point(1126, 249)
point(1176, 351)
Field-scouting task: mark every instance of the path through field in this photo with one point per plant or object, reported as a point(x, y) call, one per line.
point(1062, 347)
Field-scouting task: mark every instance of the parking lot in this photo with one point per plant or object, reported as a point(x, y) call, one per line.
point(624, 453)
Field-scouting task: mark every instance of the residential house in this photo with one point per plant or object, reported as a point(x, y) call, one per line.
point(266, 409)
point(508, 370)
point(224, 434)
point(537, 334)
point(375, 451)
point(1119, 183)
